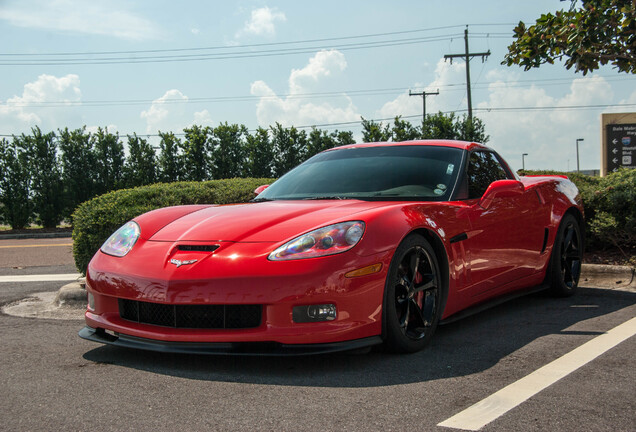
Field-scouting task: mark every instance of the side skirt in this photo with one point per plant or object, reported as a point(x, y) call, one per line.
point(492, 303)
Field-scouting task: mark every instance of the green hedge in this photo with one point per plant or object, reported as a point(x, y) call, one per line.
point(95, 220)
point(610, 208)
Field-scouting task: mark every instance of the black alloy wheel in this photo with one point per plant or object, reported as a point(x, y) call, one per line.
point(413, 296)
point(567, 256)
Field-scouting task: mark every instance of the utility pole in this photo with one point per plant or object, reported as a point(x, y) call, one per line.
point(467, 56)
point(423, 94)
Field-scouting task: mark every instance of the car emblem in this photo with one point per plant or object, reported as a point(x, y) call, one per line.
point(179, 263)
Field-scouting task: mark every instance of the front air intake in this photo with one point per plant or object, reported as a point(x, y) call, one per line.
point(191, 316)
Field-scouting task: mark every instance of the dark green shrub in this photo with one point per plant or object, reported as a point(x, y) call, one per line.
point(615, 205)
point(95, 220)
point(610, 208)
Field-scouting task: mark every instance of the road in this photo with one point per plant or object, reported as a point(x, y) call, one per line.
point(53, 380)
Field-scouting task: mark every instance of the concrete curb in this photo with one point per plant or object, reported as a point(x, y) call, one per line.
point(22, 236)
point(608, 276)
point(72, 294)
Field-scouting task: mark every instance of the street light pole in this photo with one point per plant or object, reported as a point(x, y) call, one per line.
point(523, 161)
point(577, 154)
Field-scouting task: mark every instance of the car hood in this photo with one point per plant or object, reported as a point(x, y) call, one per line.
point(261, 222)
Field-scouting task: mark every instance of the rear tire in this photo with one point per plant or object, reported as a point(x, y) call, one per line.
point(413, 296)
point(567, 255)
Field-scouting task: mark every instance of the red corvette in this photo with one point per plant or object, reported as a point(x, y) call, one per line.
point(360, 245)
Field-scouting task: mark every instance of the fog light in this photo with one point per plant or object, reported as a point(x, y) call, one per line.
point(91, 301)
point(314, 313)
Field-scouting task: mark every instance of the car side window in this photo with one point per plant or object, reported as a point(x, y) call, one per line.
point(483, 168)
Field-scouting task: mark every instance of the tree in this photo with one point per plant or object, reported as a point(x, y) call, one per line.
point(41, 151)
point(343, 137)
point(598, 33)
point(259, 154)
point(404, 131)
point(375, 132)
point(15, 184)
point(228, 154)
point(290, 147)
point(139, 168)
point(449, 126)
point(78, 168)
point(196, 150)
point(170, 161)
point(318, 141)
point(440, 126)
point(471, 130)
point(109, 160)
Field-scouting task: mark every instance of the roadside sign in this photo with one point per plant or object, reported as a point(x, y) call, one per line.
point(621, 146)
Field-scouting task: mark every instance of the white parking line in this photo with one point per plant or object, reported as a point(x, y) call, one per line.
point(41, 278)
point(477, 416)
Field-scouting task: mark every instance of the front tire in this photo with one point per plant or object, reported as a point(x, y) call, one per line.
point(413, 296)
point(567, 255)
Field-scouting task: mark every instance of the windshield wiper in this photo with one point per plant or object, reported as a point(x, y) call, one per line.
point(329, 197)
point(261, 199)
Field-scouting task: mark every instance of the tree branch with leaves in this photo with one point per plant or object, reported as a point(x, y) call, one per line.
point(599, 32)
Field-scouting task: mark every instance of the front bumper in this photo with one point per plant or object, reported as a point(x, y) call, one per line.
point(232, 348)
point(223, 279)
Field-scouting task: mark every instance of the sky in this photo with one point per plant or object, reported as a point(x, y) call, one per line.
point(148, 66)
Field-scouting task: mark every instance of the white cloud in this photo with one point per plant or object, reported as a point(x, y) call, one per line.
point(321, 65)
point(203, 118)
point(172, 113)
point(293, 110)
point(548, 136)
point(166, 113)
point(19, 113)
point(78, 16)
point(195, 31)
point(262, 22)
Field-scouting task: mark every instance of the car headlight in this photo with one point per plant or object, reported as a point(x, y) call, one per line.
point(329, 240)
point(122, 240)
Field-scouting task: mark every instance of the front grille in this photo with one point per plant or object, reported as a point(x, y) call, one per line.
point(191, 316)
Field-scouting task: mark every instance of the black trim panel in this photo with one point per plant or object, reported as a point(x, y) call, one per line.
point(459, 237)
point(478, 308)
point(239, 348)
point(546, 232)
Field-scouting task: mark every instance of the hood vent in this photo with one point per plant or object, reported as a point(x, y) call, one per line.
point(198, 248)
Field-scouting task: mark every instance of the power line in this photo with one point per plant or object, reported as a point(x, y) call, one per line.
point(257, 45)
point(332, 94)
point(228, 55)
point(412, 116)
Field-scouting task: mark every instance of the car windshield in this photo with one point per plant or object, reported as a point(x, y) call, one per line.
point(423, 173)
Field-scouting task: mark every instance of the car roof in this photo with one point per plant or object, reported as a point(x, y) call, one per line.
point(464, 145)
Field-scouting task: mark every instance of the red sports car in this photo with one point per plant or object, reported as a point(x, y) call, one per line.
point(360, 245)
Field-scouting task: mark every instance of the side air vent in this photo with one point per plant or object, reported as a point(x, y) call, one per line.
point(198, 248)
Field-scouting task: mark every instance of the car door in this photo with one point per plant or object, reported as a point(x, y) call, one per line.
point(506, 237)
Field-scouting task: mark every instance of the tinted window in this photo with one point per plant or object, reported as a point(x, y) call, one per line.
point(424, 173)
point(483, 169)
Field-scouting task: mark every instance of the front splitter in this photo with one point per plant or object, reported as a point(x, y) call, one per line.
point(235, 348)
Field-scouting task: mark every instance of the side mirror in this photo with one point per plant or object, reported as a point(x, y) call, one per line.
point(260, 189)
point(501, 189)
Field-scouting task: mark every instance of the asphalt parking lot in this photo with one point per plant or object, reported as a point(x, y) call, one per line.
point(53, 380)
